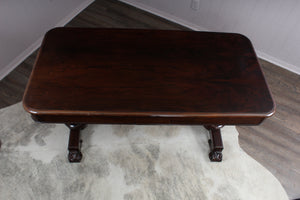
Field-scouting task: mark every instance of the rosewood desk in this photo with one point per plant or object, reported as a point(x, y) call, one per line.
point(121, 76)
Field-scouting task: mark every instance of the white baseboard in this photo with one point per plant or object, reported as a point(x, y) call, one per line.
point(165, 15)
point(278, 62)
point(196, 27)
point(21, 57)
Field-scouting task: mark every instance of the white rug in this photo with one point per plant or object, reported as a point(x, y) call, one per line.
point(125, 162)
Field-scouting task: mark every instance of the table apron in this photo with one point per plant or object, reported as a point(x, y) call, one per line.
point(232, 120)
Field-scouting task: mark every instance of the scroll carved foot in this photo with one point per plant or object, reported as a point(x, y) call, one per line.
point(74, 156)
point(215, 143)
point(215, 156)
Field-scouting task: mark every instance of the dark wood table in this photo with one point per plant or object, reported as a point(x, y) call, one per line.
point(123, 76)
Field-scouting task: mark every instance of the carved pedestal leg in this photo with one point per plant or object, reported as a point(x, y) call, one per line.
point(74, 146)
point(215, 142)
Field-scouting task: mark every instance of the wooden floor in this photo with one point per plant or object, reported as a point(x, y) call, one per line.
point(275, 143)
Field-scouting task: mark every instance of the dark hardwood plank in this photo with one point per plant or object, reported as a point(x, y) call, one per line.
point(13, 85)
point(276, 142)
point(113, 14)
point(284, 85)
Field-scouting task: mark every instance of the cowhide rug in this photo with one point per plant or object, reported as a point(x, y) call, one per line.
point(125, 162)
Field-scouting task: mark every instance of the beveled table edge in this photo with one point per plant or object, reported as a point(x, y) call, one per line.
point(145, 114)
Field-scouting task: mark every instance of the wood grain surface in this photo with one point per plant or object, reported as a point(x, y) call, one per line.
point(203, 77)
point(275, 143)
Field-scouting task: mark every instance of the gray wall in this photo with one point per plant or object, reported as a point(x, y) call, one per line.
point(272, 25)
point(24, 22)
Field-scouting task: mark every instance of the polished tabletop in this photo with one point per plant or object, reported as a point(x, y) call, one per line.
point(94, 74)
